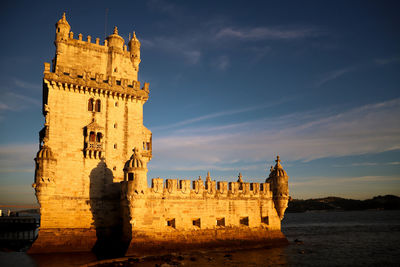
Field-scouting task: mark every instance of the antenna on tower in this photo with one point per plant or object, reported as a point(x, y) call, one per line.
point(105, 23)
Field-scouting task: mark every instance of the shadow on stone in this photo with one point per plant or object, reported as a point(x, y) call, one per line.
point(106, 212)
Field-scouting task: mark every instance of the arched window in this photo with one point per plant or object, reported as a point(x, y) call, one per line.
point(98, 137)
point(90, 104)
point(92, 137)
point(98, 105)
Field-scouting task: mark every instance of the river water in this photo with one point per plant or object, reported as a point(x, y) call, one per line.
point(351, 238)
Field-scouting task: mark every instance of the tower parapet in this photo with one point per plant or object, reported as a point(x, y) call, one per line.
point(91, 57)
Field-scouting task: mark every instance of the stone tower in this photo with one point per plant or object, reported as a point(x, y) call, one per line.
point(93, 108)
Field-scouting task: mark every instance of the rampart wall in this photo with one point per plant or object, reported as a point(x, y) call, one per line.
point(175, 215)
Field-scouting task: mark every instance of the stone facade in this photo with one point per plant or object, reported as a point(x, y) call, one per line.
point(92, 189)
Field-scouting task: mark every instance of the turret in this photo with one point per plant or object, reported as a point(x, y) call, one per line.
point(44, 172)
point(134, 48)
point(135, 171)
point(115, 41)
point(62, 29)
point(278, 179)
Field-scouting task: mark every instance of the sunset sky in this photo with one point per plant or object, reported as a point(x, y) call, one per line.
point(232, 84)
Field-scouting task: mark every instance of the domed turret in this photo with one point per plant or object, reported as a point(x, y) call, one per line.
point(114, 40)
point(135, 162)
point(45, 153)
point(135, 171)
point(134, 48)
point(278, 179)
point(62, 29)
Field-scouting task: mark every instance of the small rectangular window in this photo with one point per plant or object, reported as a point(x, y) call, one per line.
point(265, 220)
point(130, 176)
point(66, 73)
point(80, 76)
point(171, 223)
point(244, 221)
point(118, 82)
point(221, 222)
point(196, 222)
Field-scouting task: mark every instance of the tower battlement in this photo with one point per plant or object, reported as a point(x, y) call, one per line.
point(200, 189)
point(112, 58)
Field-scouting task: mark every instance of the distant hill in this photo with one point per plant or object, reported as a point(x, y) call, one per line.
point(388, 202)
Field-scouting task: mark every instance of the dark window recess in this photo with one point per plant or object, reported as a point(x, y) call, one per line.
point(98, 105)
point(251, 187)
point(93, 79)
point(244, 221)
point(92, 137)
point(90, 104)
point(66, 73)
point(196, 222)
point(171, 223)
point(130, 176)
point(80, 76)
point(105, 81)
point(265, 220)
point(131, 86)
point(98, 137)
point(118, 82)
point(221, 222)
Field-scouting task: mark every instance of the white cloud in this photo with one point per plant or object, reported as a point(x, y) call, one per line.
point(214, 115)
point(13, 102)
point(385, 61)
point(333, 75)
point(26, 85)
point(192, 57)
point(222, 62)
point(371, 128)
point(17, 158)
point(264, 33)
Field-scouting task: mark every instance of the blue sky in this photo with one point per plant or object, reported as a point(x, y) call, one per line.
point(232, 84)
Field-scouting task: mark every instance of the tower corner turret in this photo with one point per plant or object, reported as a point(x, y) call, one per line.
point(279, 181)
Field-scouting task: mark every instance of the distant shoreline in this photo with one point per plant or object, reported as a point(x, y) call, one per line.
point(387, 202)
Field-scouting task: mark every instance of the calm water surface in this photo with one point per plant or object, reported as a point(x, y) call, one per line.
point(359, 238)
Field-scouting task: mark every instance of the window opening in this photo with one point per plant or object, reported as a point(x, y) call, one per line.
point(98, 137)
point(92, 137)
point(171, 223)
point(265, 220)
point(90, 104)
point(130, 176)
point(221, 222)
point(244, 221)
point(196, 222)
point(98, 105)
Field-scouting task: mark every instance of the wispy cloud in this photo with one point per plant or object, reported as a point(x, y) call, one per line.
point(163, 7)
point(333, 75)
point(26, 85)
point(216, 115)
point(14, 102)
point(265, 33)
point(370, 128)
point(222, 62)
point(17, 158)
point(192, 57)
point(385, 61)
